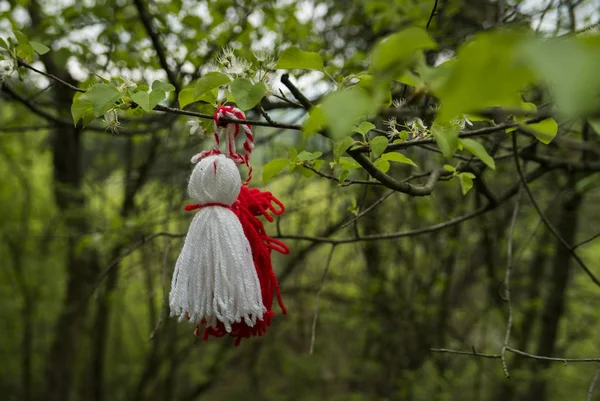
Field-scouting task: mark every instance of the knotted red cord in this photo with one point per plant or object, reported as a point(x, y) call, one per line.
point(233, 130)
point(250, 204)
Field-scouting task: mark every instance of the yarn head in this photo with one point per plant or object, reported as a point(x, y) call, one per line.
point(215, 179)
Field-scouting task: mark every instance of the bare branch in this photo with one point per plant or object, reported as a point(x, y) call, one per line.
point(545, 219)
point(313, 335)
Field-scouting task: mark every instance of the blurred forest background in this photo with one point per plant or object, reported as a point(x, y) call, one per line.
point(92, 220)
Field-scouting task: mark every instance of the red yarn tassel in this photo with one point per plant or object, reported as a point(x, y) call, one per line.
point(250, 204)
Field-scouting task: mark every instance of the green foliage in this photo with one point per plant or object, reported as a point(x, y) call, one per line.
point(272, 168)
point(466, 181)
point(378, 146)
point(477, 149)
point(482, 78)
point(343, 109)
point(446, 137)
point(295, 58)
point(398, 158)
point(246, 94)
point(393, 54)
point(208, 82)
point(573, 77)
point(544, 131)
point(364, 128)
point(103, 98)
point(314, 123)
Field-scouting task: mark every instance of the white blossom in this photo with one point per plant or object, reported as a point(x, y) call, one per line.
point(195, 127)
point(111, 119)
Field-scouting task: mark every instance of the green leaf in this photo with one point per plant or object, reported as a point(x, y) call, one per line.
point(39, 48)
point(378, 145)
point(146, 100)
point(394, 52)
point(572, 77)
point(305, 172)
point(246, 94)
point(3, 44)
point(466, 182)
point(449, 168)
point(344, 175)
point(210, 81)
point(340, 147)
point(314, 123)
point(164, 86)
point(382, 165)
point(273, 168)
point(293, 57)
point(544, 131)
point(185, 97)
point(103, 97)
point(349, 163)
point(446, 137)
point(82, 108)
point(486, 73)
point(21, 38)
point(305, 156)
point(398, 157)
point(343, 109)
point(364, 128)
point(595, 124)
point(477, 149)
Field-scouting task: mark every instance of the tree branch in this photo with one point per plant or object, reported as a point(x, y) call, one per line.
point(158, 47)
point(545, 219)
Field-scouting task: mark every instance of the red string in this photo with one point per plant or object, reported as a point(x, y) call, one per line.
point(250, 204)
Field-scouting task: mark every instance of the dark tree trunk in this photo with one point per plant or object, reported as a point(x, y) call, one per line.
point(554, 305)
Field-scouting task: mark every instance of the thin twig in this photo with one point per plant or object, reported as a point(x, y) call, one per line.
point(590, 392)
point(432, 14)
point(316, 315)
point(507, 284)
point(545, 219)
point(586, 241)
point(518, 352)
point(165, 302)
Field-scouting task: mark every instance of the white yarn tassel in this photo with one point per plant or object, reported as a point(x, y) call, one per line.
point(215, 278)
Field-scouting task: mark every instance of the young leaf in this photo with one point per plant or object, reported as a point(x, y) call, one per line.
point(395, 51)
point(246, 94)
point(378, 145)
point(314, 123)
point(82, 108)
point(305, 156)
point(292, 57)
point(364, 128)
point(573, 77)
point(340, 147)
point(382, 165)
point(595, 124)
point(446, 137)
point(210, 81)
point(164, 86)
point(477, 149)
point(466, 182)
point(103, 97)
point(544, 131)
point(481, 78)
point(185, 97)
point(398, 157)
point(349, 163)
point(342, 109)
point(39, 48)
point(273, 168)
point(146, 100)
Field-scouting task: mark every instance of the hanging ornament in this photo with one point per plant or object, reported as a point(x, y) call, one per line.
point(223, 278)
